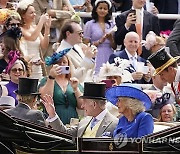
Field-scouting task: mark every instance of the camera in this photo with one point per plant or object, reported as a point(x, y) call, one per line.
point(65, 69)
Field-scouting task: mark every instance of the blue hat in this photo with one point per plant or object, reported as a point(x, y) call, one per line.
point(56, 57)
point(128, 90)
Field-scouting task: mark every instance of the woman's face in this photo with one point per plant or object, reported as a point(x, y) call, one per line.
point(117, 79)
point(63, 61)
point(102, 9)
point(167, 113)
point(121, 105)
point(30, 14)
point(16, 72)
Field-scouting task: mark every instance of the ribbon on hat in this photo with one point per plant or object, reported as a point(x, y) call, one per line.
point(56, 57)
point(12, 56)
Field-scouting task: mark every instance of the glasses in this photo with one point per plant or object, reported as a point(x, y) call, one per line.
point(14, 25)
point(79, 32)
point(14, 70)
point(66, 100)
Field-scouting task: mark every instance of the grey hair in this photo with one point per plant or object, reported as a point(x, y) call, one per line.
point(101, 103)
point(135, 105)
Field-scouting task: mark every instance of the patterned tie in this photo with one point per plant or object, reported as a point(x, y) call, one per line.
point(93, 122)
point(134, 62)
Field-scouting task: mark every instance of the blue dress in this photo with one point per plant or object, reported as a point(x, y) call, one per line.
point(142, 125)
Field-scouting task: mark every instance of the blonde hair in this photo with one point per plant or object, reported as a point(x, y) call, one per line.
point(173, 109)
point(133, 104)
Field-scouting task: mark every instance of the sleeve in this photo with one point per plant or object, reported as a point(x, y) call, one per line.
point(146, 125)
point(88, 30)
point(58, 125)
point(121, 29)
point(174, 39)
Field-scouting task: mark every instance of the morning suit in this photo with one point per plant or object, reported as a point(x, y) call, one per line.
point(123, 55)
point(150, 23)
point(108, 124)
point(173, 41)
point(82, 67)
point(22, 111)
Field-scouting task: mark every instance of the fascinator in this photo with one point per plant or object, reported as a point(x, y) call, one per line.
point(161, 101)
point(13, 57)
point(56, 56)
point(23, 4)
point(14, 32)
point(5, 14)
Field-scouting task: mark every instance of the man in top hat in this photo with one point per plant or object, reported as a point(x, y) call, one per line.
point(166, 66)
point(98, 122)
point(27, 96)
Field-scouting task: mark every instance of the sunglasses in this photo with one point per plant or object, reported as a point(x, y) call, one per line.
point(14, 70)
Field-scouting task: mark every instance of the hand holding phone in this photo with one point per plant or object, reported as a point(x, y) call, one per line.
point(109, 83)
point(133, 14)
point(65, 69)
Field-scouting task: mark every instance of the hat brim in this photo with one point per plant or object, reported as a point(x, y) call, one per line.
point(17, 92)
point(168, 63)
point(113, 93)
point(89, 97)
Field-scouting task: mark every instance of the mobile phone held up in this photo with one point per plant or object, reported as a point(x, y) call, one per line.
point(109, 83)
point(65, 69)
point(133, 12)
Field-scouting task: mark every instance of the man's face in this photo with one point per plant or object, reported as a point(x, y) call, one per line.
point(168, 75)
point(88, 106)
point(131, 42)
point(77, 36)
point(138, 4)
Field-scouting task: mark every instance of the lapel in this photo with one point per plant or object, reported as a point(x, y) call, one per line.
point(104, 125)
point(124, 55)
point(83, 125)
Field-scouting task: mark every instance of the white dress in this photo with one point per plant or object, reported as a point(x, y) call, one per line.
point(33, 48)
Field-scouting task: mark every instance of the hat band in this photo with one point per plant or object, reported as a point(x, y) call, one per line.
point(169, 62)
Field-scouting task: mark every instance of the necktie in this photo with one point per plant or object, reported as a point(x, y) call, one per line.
point(134, 62)
point(139, 30)
point(93, 122)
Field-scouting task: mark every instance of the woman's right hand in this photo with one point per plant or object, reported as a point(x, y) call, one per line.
point(55, 70)
point(44, 18)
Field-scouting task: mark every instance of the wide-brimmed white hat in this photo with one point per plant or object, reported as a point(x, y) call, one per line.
point(7, 101)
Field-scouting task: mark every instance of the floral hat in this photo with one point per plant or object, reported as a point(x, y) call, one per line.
point(23, 4)
point(56, 56)
point(116, 69)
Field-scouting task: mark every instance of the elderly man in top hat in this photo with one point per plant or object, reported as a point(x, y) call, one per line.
point(27, 96)
point(166, 66)
point(98, 122)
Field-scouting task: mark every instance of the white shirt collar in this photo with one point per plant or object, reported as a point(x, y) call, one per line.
point(177, 77)
point(64, 44)
point(129, 55)
point(101, 115)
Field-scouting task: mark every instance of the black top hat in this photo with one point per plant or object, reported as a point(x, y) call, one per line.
point(94, 90)
point(161, 60)
point(27, 86)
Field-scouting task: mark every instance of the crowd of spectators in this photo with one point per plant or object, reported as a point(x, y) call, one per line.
point(95, 71)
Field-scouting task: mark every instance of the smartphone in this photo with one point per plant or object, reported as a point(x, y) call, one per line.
point(133, 11)
point(65, 69)
point(109, 83)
